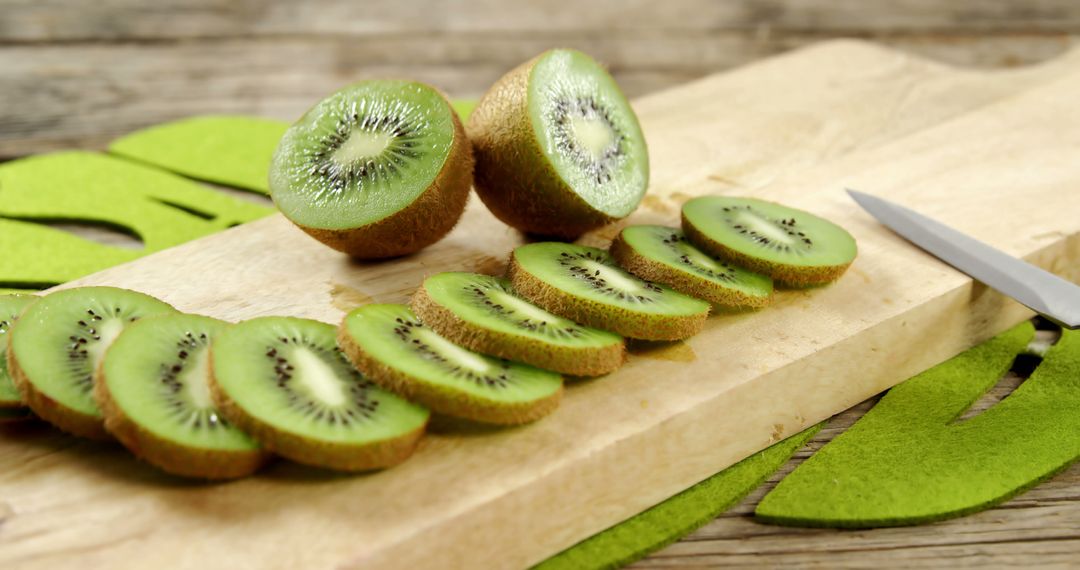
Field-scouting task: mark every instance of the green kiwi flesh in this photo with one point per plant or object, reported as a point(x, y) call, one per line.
point(378, 169)
point(482, 313)
point(794, 247)
point(284, 381)
point(392, 347)
point(10, 400)
point(664, 255)
point(584, 284)
point(559, 150)
point(153, 388)
point(57, 344)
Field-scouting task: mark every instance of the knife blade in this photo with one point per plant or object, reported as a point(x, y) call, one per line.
point(1039, 290)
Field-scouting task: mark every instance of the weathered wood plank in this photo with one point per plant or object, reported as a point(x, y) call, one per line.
point(74, 20)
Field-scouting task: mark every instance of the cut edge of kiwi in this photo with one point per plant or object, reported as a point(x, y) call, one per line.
point(573, 361)
point(440, 399)
point(729, 298)
point(620, 320)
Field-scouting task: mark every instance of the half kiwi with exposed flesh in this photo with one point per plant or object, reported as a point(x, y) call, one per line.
point(794, 247)
point(584, 284)
point(57, 344)
point(378, 169)
point(483, 313)
point(664, 255)
point(558, 148)
point(392, 347)
point(284, 381)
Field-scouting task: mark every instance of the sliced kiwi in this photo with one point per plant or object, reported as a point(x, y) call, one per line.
point(153, 388)
point(795, 248)
point(11, 404)
point(482, 313)
point(392, 347)
point(584, 284)
point(664, 255)
point(558, 148)
point(57, 344)
point(378, 169)
point(284, 381)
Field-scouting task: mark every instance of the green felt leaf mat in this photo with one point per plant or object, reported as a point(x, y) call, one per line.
point(159, 208)
point(680, 515)
point(909, 460)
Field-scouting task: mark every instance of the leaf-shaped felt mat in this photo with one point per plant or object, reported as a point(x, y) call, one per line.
point(160, 208)
point(680, 515)
point(909, 460)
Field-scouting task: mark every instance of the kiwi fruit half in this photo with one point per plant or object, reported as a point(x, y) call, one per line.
point(795, 248)
point(664, 255)
point(284, 381)
point(11, 404)
point(392, 347)
point(584, 284)
point(57, 344)
point(558, 148)
point(153, 388)
point(378, 169)
point(482, 313)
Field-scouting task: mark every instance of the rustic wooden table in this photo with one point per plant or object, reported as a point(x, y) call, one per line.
point(76, 75)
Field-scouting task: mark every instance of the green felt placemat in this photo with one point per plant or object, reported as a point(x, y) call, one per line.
point(909, 460)
point(680, 515)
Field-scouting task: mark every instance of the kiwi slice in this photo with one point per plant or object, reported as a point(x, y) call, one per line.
point(664, 255)
point(11, 404)
point(558, 148)
point(482, 313)
point(57, 344)
point(795, 248)
point(284, 381)
point(390, 345)
point(378, 169)
point(153, 388)
point(584, 284)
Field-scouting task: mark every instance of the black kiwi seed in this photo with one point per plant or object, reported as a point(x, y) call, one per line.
point(404, 331)
point(198, 418)
point(482, 296)
point(787, 225)
point(569, 262)
point(726, 274)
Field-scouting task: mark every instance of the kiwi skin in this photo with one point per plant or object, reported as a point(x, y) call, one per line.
point(443, 401)
point(513, 177)
point(566, 360)
point(622, 321)
point(423, 222)
point(793, 276)
point(377, 455)
point(68, 420)
point(166, 455)
point(630, 260)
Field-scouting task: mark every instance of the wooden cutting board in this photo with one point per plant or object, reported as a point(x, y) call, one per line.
point(993, 154)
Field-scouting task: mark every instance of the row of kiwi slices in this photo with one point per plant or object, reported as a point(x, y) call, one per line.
point(383, 168)
point(200, 397)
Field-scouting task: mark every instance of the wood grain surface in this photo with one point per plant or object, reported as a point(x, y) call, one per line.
point(864, 117)
point(77, 74)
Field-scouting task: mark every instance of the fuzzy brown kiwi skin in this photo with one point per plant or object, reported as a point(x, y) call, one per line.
point(629, 259)
point(623, 322)
point(443, 401)
point(574, 361)
point(513, 177)
point(166, 455)
point(48, 409)
point(423, 222)
point(377, 455)
point(792, 276)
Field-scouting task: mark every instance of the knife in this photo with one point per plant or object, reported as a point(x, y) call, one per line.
point(1039, 290)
